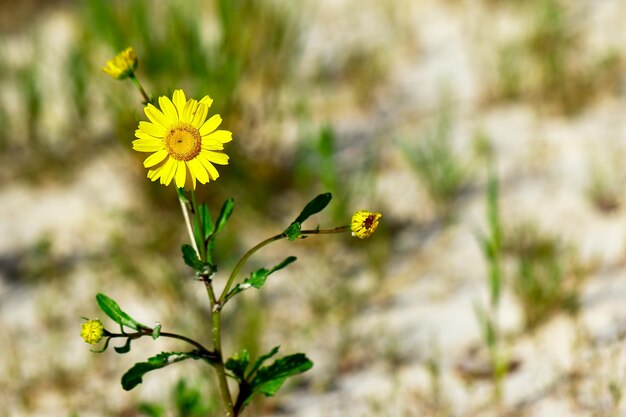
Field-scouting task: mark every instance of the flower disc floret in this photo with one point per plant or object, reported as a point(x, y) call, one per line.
point(184, 145)
point(121, 65)
point(92, 331)
point(364, 223)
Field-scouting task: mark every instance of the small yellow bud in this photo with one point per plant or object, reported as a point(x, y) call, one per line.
point(121, 65)
point(92, 331)
point(364, 223)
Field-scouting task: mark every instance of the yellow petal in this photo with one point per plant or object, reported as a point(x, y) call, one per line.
point(179, 101)
point(210, 125)
point(156, 116)
point(189, 110)
point(223, 136)
point(215, 157)
point(151, 129)
point(143, 135)
point(190, 183)
point(213, 174)
point(181, 173)
point(154, 174)
point(207, 101)
point(169, 170)
point(169, 110)
point(148, 145)
point(155, 158)
point(212, 145)
point(200, 115)
point(196, 169)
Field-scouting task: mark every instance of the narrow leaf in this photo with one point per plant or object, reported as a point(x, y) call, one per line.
point(314, 206)
point(258, 277)
point(225, 212)
point(113, 310)
point(205, 220)
point(125, 348)
point(134, 376)
point(261, 360)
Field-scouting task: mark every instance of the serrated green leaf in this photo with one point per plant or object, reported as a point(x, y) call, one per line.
point(314, 206)
point(134, 376)
point(293, 231)
point(190, 256)
point(269, 379)
point(261, 360)
point(113, 310)
point(238, 363)
point(205, 220)
point(125, 348)
point(225, 212)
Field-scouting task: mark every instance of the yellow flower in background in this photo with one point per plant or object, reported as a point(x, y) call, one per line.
point(184, 144)
point(92, 331)
point(364, 223)
point(122, 65)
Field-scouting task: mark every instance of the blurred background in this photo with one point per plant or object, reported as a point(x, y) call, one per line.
point(402, 107)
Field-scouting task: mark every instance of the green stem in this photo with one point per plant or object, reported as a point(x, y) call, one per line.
point(266, 242)
point(183, 207)
point(148, 332)
point(217, 346)
point(146, 98)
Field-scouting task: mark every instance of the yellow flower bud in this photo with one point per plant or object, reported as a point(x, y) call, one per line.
point(92, 331)
point(122, 65)
point(364, 223)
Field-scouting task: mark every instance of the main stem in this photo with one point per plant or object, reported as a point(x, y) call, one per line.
point(217, 347)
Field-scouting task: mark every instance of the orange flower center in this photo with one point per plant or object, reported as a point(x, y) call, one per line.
point(183, 142)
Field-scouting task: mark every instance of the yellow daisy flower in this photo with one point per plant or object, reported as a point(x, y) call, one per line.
point(121, 65)
point(184, 144)
point(92, 331)
point(364, 223)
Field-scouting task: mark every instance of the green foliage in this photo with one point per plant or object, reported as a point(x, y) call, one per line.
point(258, 277)
point(187, 402)
point(314, 206)
point(134, 376)
point(113, 310)
point(225, 213)
point(260, 379)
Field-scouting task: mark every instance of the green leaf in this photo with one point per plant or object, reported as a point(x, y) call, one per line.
point(134, 376)
point(113, 310)
point(314, 206)
point(225, 212)
point(293, 231)
point(269, 379)
point(238, 363)
point(205, 220)
point(258, 277)
point(125, 348)
point(261, 360)
point(190, 256)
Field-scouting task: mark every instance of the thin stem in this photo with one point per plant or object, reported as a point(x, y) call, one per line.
point(266, 242)
point(133, 78)
point(148, 332)
point(183, 207)
point(217, 346)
